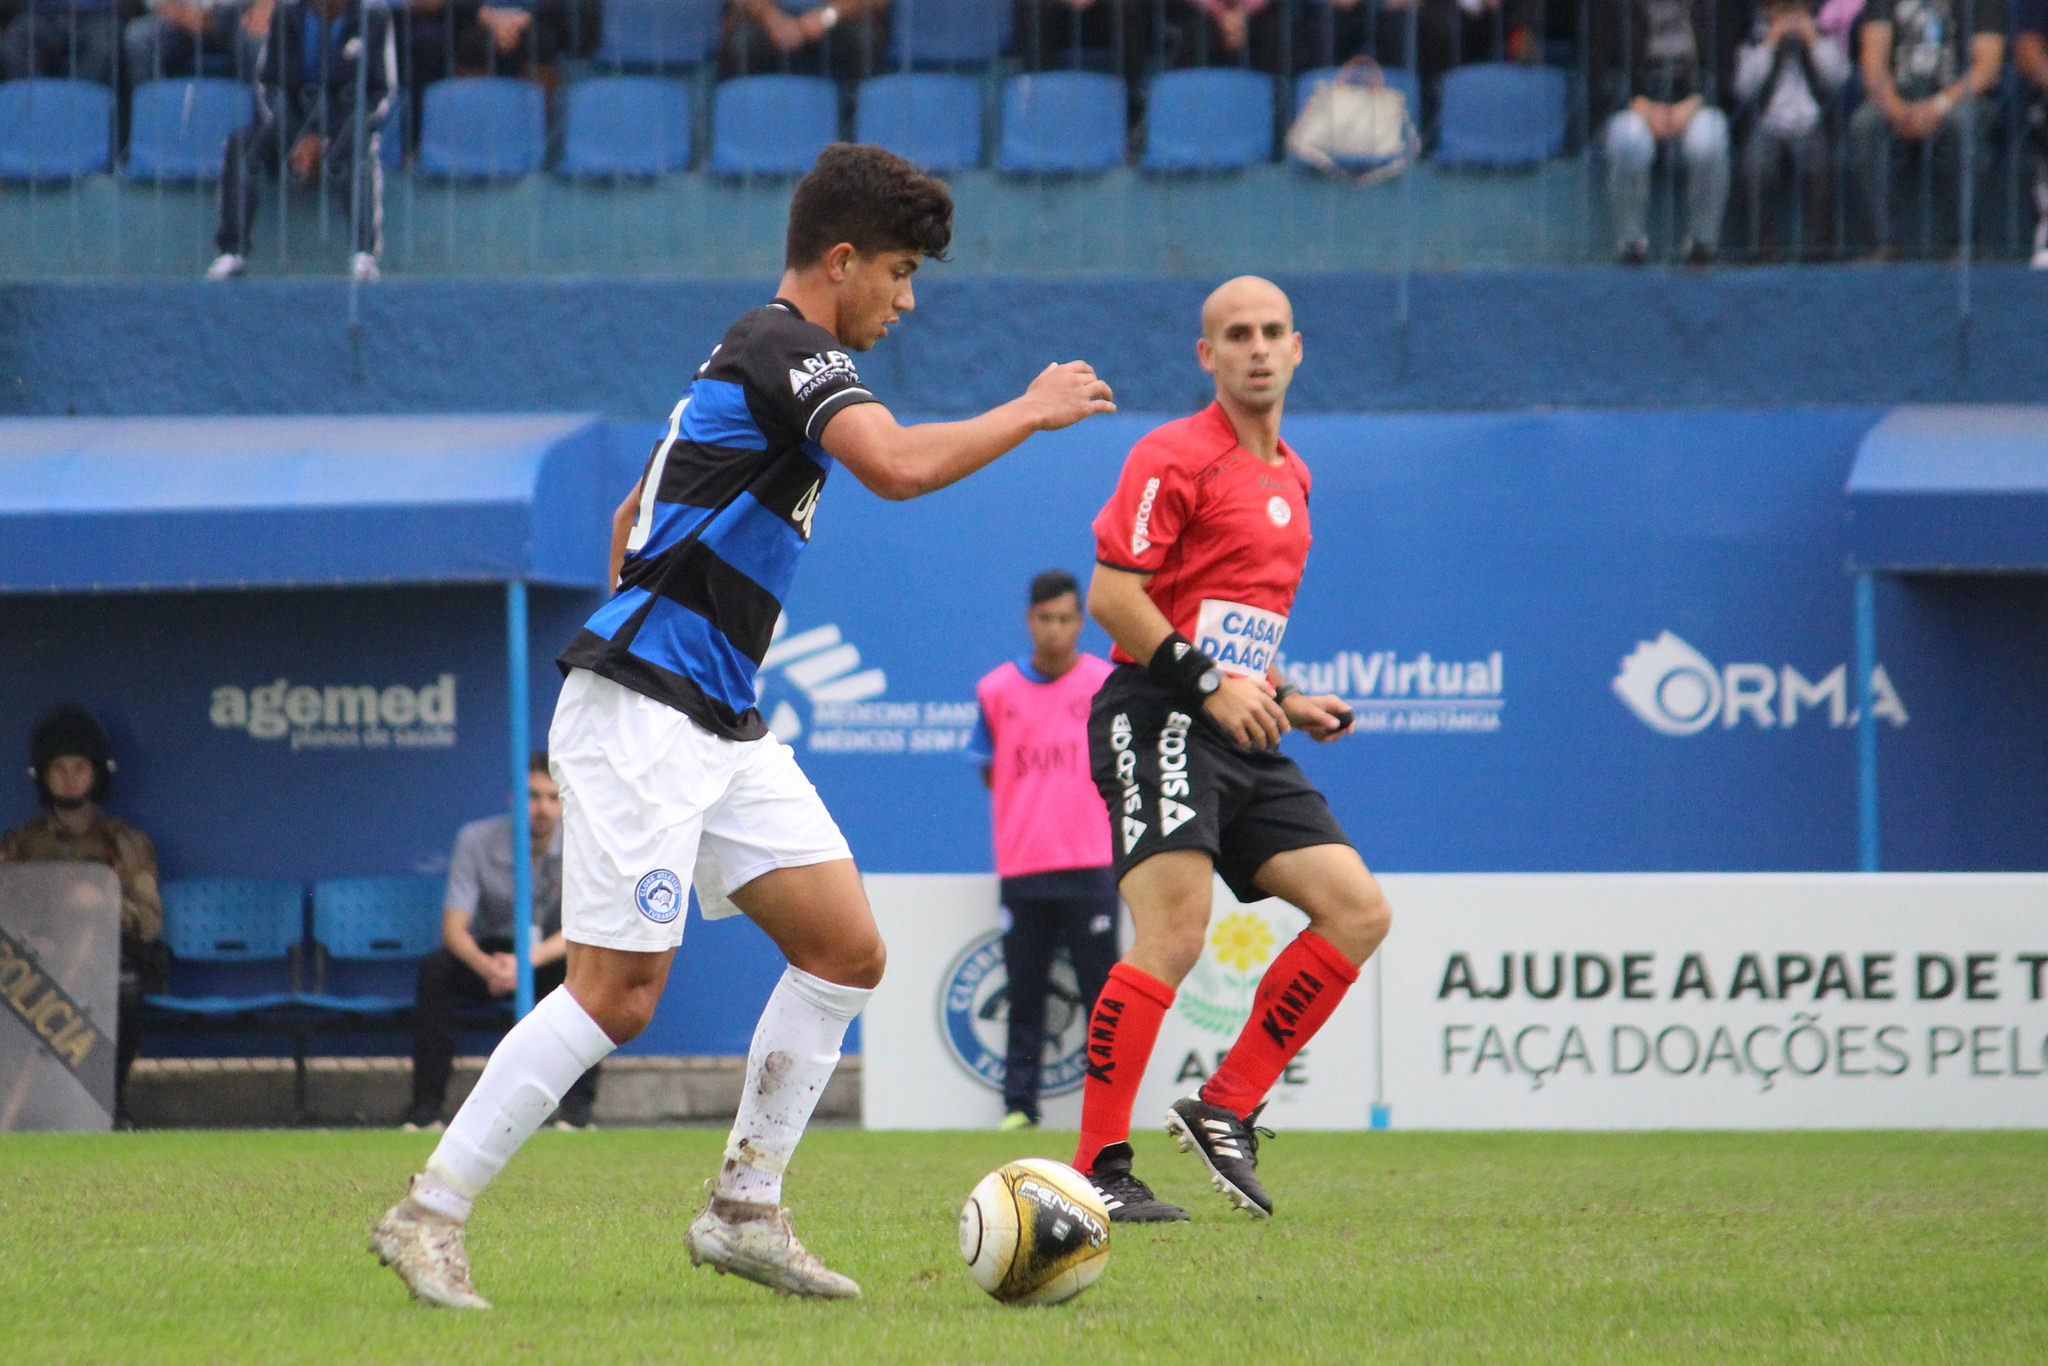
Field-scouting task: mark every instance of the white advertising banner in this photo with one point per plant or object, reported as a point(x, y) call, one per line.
point(1542, 1001)
point(933, 1034)
point(1717, 1001)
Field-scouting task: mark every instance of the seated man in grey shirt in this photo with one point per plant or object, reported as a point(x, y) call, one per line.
point(475, 963)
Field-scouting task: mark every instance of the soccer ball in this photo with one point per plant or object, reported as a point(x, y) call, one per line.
point(1034, 1232)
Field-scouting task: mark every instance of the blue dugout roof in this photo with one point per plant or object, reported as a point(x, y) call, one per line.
point(92, 504)
point(1962, 489)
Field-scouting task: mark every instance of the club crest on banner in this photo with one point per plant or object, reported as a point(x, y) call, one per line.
point(974, 1018)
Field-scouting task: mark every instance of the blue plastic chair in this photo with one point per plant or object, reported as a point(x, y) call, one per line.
point(178, 129)
point(1062, 123)
point(625, 126)
point(240, 933)
point(371, 933)
point(1217, 119)
point(53, 130)
point(391, 137)
point(482, 127)
point(948, 32)
point(772, 125)
point(1397, 78)
point(932, 120)
point(1501, 114)
point(658, 35)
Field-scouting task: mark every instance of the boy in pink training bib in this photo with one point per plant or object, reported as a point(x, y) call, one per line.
point(1051, 830)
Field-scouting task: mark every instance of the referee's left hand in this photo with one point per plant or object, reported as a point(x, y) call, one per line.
point(1324, 718)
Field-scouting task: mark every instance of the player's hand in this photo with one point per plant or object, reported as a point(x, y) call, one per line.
point(1064, 394)
point(1324, 718)
point(1247, 713)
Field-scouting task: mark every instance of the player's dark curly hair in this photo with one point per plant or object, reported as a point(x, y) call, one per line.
point(872, 198)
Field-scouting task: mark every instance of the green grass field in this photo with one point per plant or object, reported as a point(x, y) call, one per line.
point(247, 1247)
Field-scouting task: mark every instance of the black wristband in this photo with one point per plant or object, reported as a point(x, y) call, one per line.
point(1285, 691)
point(1178, 666)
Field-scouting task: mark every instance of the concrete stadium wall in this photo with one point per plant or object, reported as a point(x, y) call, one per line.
point(1481, 339)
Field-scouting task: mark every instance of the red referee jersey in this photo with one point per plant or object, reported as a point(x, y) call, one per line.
point(1224, 535)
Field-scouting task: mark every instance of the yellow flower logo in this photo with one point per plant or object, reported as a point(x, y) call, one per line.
point(1242, 941)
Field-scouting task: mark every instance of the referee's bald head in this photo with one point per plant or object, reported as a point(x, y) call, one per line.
point(1246, 291)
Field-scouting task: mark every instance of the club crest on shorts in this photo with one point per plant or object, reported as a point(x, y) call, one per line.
point(974, 1018)
point(659, 896)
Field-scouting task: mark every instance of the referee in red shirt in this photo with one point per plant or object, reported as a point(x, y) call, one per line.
point(1199, 554)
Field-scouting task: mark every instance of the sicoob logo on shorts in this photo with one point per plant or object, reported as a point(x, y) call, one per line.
point(660, 896)
point(974, 1018)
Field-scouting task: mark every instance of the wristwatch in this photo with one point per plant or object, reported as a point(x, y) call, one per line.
point(1209, 681)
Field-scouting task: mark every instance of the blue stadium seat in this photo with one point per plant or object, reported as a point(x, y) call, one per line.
point(1501, 114)
point(625, 126)
point(371, 933)
point(482, 127)
point(1216, 119)
point(772, 125)
point(658, 35)
point(948, 32)
point(238, 935)
point(51, 130)
point(1397, 78)
point(1062, 123)
point(179, 129)
point(933, 120)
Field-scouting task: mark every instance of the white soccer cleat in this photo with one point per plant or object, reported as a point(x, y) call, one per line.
point(227, 266)
point(426, 1251)
point(757, 1243)
point(362, 267)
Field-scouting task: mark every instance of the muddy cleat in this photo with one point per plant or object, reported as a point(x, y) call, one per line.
point(1229, 1146)
point(757, 1243)
point(1129, 1200)
point(425, 1249)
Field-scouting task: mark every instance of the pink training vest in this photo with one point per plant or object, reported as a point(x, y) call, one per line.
point(1048, 815)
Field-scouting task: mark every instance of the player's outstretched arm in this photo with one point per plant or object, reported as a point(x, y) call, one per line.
point(901, 462)
point(1242, 706)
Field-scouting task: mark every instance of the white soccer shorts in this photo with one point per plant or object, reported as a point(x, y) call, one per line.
point(652, 802)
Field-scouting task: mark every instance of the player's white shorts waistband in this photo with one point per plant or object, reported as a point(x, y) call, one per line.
point(652, 802)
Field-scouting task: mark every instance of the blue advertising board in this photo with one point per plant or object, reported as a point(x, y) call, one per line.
point(1583, 641)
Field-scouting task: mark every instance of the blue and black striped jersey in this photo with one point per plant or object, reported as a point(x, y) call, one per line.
point(725, 511)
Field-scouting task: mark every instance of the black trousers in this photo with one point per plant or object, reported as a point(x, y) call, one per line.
point(357, 176)
point(446, 984)
point(1087, 924)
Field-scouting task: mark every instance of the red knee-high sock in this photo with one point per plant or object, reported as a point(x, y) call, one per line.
point(1121, 1033)
point(1297, 994)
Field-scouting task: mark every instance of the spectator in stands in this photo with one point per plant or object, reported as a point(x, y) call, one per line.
point(72, 39)
point(1106, 35)
point(466, 38)
point(72, 763)
point(843, 39)
point(475, 962)
point(181, 39)
point(1051, 832)
point(1653, 61)
point(1452, 33)
point(2030, 56)
point(306, 81)
point(1787, 76)
point(1925, 65)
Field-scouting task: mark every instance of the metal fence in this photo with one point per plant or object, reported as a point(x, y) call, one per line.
point(662, 136)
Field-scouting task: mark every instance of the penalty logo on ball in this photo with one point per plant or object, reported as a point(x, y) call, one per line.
point(974, 1015)
point(1034, 1231)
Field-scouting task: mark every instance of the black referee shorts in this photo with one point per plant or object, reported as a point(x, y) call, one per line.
point(1173, 780)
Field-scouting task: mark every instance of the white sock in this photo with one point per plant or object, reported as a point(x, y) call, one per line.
point(796, 1046)
point(527, 1076)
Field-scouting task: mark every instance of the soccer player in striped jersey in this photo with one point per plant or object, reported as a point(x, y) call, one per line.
point(668, 773)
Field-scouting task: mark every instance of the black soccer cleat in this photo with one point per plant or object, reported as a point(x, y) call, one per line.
point(1129, 1200)
point(1229, 1146)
